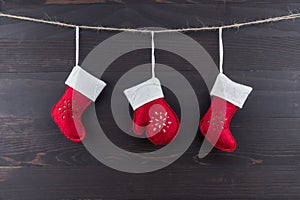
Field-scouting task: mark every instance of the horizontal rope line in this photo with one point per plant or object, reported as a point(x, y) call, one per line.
point(235, 25)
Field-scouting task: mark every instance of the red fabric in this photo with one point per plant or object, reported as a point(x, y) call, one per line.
point(67, 112)
point(215, 124)
point(159, 121)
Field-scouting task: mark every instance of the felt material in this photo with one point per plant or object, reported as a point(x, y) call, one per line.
point(215, 124)
point(67, 113)
point(85, 83)
point(230, 91)
point(158, 120)
point(144, 92)
point(82, 88)
point(152, 114)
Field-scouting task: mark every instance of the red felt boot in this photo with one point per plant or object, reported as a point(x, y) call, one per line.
point(216, 121)
point(152, 113)
point(228, 96)
point(67, 113)
point(82, 90)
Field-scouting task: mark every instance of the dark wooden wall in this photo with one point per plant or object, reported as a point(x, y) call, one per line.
point(37, 162)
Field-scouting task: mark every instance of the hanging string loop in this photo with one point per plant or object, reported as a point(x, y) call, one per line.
point(77, 46)
point(221, 51)
point(152, 54)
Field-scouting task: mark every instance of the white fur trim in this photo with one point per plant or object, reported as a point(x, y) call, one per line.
point(85, 83)
point(143, 93)
point(230, 91)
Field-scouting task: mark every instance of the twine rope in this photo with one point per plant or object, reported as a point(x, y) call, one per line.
point(235, 25)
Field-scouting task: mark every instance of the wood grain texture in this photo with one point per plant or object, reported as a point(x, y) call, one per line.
point(37, 162)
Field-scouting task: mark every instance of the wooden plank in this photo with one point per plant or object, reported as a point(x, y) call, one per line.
point(194, 2)
point(38, 142)
point(200, 182)
point(53, 55)
point(282, 100)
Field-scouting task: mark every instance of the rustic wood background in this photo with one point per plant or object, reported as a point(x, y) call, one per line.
point(37, 162)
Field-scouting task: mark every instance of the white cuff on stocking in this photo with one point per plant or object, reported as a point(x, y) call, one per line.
point(143, 93)
point(230, 91)
point(85, 83)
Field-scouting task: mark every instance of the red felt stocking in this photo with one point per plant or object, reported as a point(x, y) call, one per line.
point(82, 89)
point(228, 96)
point(152, 113)
point(67, 113)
